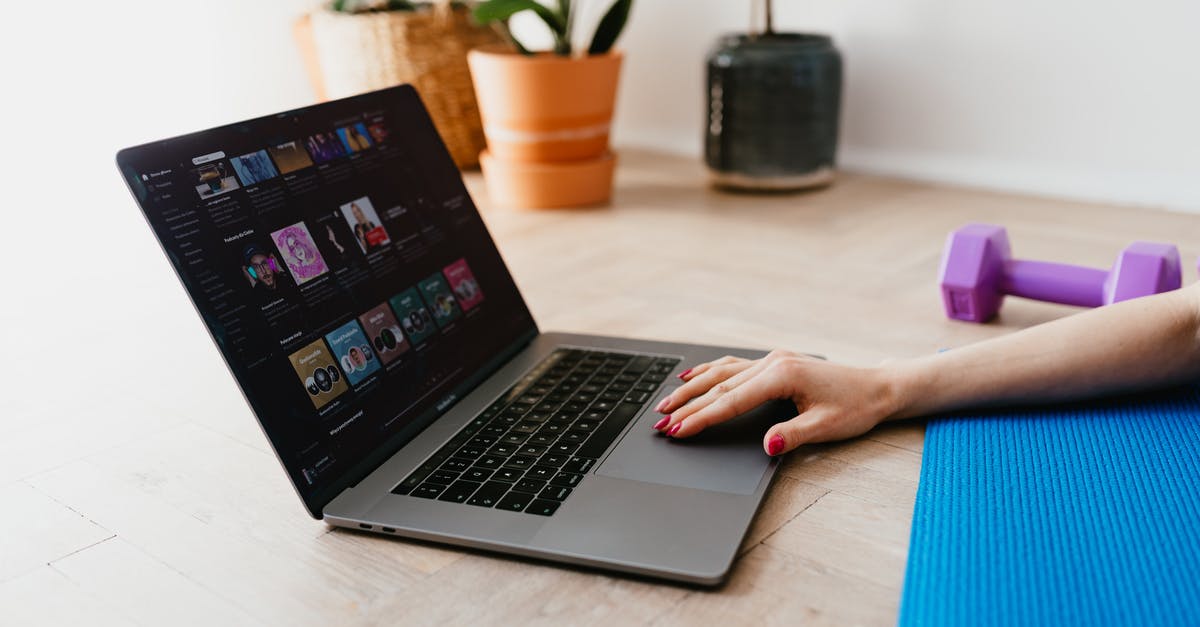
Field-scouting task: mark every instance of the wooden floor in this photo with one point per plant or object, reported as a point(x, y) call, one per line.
point(137, 488)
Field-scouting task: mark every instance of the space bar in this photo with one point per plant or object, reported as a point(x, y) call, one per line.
point(608, 430)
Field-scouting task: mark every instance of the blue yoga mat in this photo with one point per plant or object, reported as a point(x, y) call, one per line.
point(1082, 514)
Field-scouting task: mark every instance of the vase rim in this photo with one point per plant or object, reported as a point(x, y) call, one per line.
point(778, 38)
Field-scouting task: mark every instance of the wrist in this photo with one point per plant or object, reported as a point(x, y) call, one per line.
point(899, 382)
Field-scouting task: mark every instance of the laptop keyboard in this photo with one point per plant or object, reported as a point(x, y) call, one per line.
point(532, 447)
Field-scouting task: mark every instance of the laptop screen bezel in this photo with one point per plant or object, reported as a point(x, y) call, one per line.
point(315, 501)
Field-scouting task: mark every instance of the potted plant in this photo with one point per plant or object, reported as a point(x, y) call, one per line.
point(547, 114)
point(354, 46)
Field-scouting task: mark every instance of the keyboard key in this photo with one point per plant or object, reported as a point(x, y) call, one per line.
point(585, 425)
point(514, 501)
point(482, 440)
point(566, 479)
point(428, 491)
point(611, 396)
point(526, 427)
point(579, 465)
point(609, 430)
point(538, 416)
point(654, 378)
point(460, 491)
point(490, 462)
point(639, 365)
point(542, 507)
point(495, 430)
point(553, 459)
point(503, 450)
point(476, 474)
point(542, 472)
point(637, 397)
point(533, 449)
point(532, 486)
point(542, 439)
point(514, 438)
point(443, 477)
point(553, 493)
point(520, 462)
point(507, 474)
point(470, 451)
point(645, 386)
point(554, 428)
point(456, 464)
point(488, 495)
point(574, 437)
point(564, 448)
point(604, 406)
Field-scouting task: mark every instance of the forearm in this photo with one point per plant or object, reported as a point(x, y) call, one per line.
point(1126, 346)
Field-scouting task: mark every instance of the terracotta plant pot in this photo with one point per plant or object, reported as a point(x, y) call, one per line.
point(546, 119)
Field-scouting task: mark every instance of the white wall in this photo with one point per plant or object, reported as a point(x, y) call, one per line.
point(1089, 99)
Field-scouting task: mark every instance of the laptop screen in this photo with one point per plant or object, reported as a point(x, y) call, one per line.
point(342, 270)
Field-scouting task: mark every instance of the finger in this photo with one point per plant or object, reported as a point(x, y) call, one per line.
point(784, 437)
point(695, 371)
point(700, 384)
point(689, 407)
point(763, 386)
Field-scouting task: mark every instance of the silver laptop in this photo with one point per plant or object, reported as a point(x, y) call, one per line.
point(369, 320)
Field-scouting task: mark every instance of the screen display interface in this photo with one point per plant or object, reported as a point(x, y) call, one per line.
point(342, 269)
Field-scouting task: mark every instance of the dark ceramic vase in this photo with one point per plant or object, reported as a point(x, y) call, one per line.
point(773, 108)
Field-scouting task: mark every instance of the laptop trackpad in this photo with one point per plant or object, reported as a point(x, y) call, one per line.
point(728, 457)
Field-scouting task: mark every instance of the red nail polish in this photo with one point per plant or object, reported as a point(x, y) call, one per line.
point(661, 405)
point(683, 375)
point(662, 423)
point(675, 429)
point(775, 445)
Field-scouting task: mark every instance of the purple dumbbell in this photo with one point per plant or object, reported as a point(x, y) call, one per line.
point(978, 270)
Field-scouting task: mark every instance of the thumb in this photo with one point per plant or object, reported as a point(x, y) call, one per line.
point(786, 436)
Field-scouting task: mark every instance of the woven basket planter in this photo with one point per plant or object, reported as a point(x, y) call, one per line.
point(349, 54)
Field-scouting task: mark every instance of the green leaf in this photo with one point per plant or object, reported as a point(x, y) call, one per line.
point(493, 10)
point(610, 27)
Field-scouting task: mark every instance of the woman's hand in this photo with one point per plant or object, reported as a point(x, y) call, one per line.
point(835, 402)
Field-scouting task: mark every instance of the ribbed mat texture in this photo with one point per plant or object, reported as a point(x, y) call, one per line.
point(1082, 514)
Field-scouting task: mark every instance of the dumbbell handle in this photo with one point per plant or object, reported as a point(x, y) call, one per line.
point(1055, 282)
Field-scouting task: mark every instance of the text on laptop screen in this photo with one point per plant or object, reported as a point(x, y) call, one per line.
point(342, 269)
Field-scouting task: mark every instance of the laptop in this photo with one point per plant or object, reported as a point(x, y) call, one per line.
point(367, 316)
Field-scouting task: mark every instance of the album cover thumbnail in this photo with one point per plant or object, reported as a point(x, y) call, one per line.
point(436, 293)
point(354, 137)
point(378, 131)
point(213, 179)
point(254, 167)
point(414, 318)
point(262, 269)
point(325, 147)
point(299, 252)
point(289, 157)
point(463, 283)
point(318, 373)
point(364, 222)
point(353, 352)
point(384, 333)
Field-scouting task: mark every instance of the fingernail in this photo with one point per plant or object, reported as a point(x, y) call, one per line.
point(775, 445)
point(662, 423)
point(683, 375)
point(675, 429)
point(662, 405)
